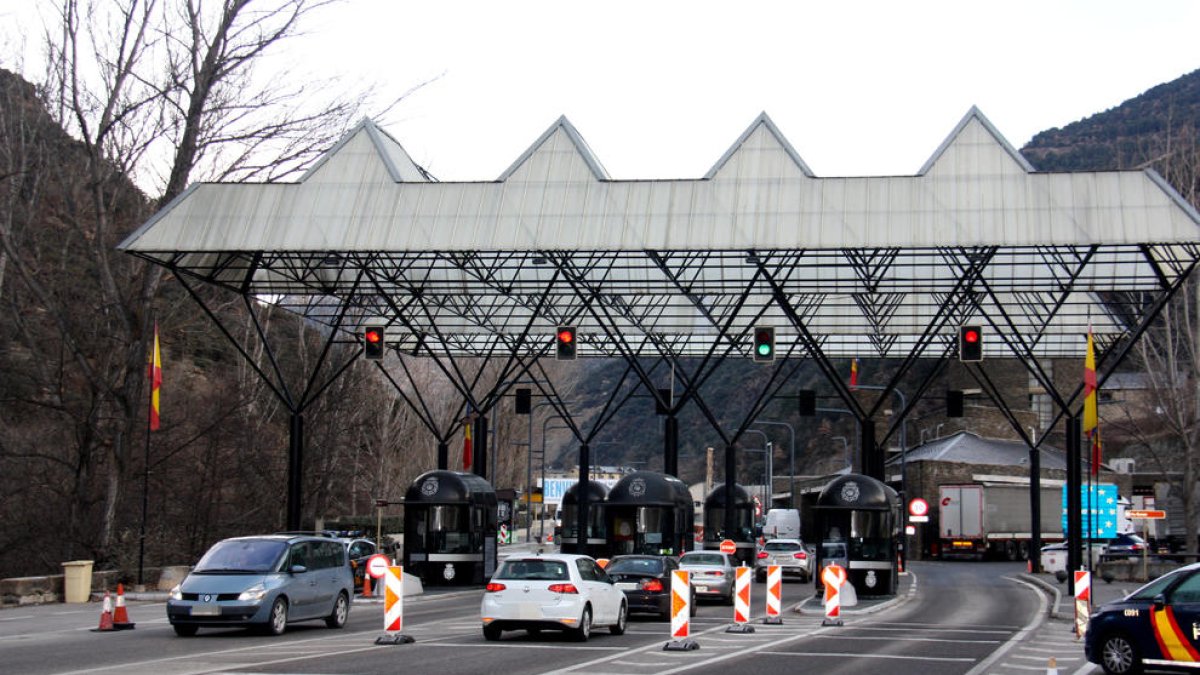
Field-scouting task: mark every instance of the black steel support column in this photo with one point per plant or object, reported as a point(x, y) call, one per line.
point(1074, 501)
point(443, 456)
point(581, 518)
point(872, 454)
point(1035, 508)
point(671, 446)
point(730, 484)
point(295, 474)
point(479, 449)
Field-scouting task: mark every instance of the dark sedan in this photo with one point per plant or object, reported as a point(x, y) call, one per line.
point(646, 581)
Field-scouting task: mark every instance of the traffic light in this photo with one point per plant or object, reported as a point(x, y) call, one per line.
point(808, 403)
point(524, 401)
point(954, 403)
point(764, 343)
point(970, 343)
point(374, 342)
point(564, 340)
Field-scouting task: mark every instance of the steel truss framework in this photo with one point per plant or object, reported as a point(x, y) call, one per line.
point(689, 308)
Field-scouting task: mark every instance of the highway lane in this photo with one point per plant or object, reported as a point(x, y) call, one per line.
point(960, 614)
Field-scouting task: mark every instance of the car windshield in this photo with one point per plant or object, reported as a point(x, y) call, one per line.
point(242, 556)
point(1155, 587)
point(533, 570)
point(782, 546)
point(649, 566)
point(702, 559)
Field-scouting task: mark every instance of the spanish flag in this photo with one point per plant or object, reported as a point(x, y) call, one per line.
point(155, 380)
point(1091, 416)
point(853, 373)
point(467, 446)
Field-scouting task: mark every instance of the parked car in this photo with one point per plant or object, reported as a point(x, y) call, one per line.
point(1054, 557)
point(556, 591)
point(358, 550)
point(1153, 626)
point(792, 556)
point(1127, 546)
point(264, 582)
point(646, 582)
point(711, 574)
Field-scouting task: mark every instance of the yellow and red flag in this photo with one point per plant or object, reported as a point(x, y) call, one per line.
point(467, 446)
point(155, 380)
point(853, 373)
point(1091, 416)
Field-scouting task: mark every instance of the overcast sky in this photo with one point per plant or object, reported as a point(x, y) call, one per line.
point(660, 89)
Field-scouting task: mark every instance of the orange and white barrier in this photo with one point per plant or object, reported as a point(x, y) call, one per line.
point(120, 617)
point(741, 601)
point(393, 608)
point(833, 576)
point(681, 613)
point(1083, 601)
point(774, 594)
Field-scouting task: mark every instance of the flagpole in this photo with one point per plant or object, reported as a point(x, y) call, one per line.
point(146, 468)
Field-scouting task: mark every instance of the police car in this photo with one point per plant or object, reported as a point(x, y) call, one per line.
point(1156, 626)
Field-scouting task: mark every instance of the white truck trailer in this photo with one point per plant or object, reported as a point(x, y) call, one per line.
point(986, 519)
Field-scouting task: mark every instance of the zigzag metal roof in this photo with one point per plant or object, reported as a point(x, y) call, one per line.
point(867, 263)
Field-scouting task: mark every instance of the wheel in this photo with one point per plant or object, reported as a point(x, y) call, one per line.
point(728, 600)
point(760, 576)
point(584, 631)
point(1118, 656)
point(277, 621)
point(491, 633)
point(692, 605)
point(618, 628)
point(183, 630)
point(341, 610)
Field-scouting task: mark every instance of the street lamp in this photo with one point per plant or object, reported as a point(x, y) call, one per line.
point(768, 456)
point(791, 460)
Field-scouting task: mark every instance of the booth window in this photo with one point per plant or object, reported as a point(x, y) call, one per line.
point(446, 529)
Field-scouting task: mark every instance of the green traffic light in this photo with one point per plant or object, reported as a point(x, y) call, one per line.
point(764, 350)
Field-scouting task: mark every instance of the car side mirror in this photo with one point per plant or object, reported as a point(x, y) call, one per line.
point(297, 569)
point(1160, 601)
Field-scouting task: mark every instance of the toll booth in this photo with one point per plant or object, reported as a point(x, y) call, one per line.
point(743, 534)
point(857, 526)
point(649, 513)
point(595, 543)
point(450, 529)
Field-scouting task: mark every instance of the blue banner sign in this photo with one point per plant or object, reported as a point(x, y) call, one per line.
point(1098, 506)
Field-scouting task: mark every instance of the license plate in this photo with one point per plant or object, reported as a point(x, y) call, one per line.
point(627, 586)
point(206, 610)
point(705, 589)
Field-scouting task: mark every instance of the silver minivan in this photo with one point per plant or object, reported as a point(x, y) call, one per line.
point(264, 582)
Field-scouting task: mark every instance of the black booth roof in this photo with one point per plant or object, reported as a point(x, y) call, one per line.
point(649, 487)
point(597, 491)
point(856, 491)
point(717, 496)
point(450, 487)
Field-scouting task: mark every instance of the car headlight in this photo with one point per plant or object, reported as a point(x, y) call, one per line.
point(253, 594)
point(177, 592)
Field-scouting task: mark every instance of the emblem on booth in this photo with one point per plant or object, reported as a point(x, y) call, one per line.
point(850, 491)
point(448, 573)
point(871, 580)
point(430, 487)
point(637, 487)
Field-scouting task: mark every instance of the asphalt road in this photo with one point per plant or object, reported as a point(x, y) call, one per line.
point(949, 618)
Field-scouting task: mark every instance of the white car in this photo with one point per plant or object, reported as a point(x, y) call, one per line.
point(1054, 557)
point(552, 592)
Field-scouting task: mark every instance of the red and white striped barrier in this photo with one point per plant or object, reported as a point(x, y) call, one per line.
point(774, 594)
point(741, 601)
point(833, 576)
point(681, 613)
point(393, 608)
point(1083, 601)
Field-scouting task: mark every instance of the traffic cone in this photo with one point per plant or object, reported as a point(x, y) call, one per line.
point(1029, 566)
point(120, 618)
point(1052, 666)
point(106, 615)
point(366, 591)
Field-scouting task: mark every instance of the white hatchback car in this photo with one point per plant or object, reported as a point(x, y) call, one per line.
point(562, 592)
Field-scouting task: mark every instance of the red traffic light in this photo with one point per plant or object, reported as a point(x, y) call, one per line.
point(566, 335)
point(970, 336)
point(564, 339)
point(373, 336)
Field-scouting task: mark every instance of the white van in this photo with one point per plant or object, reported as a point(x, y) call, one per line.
point(782, 524)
